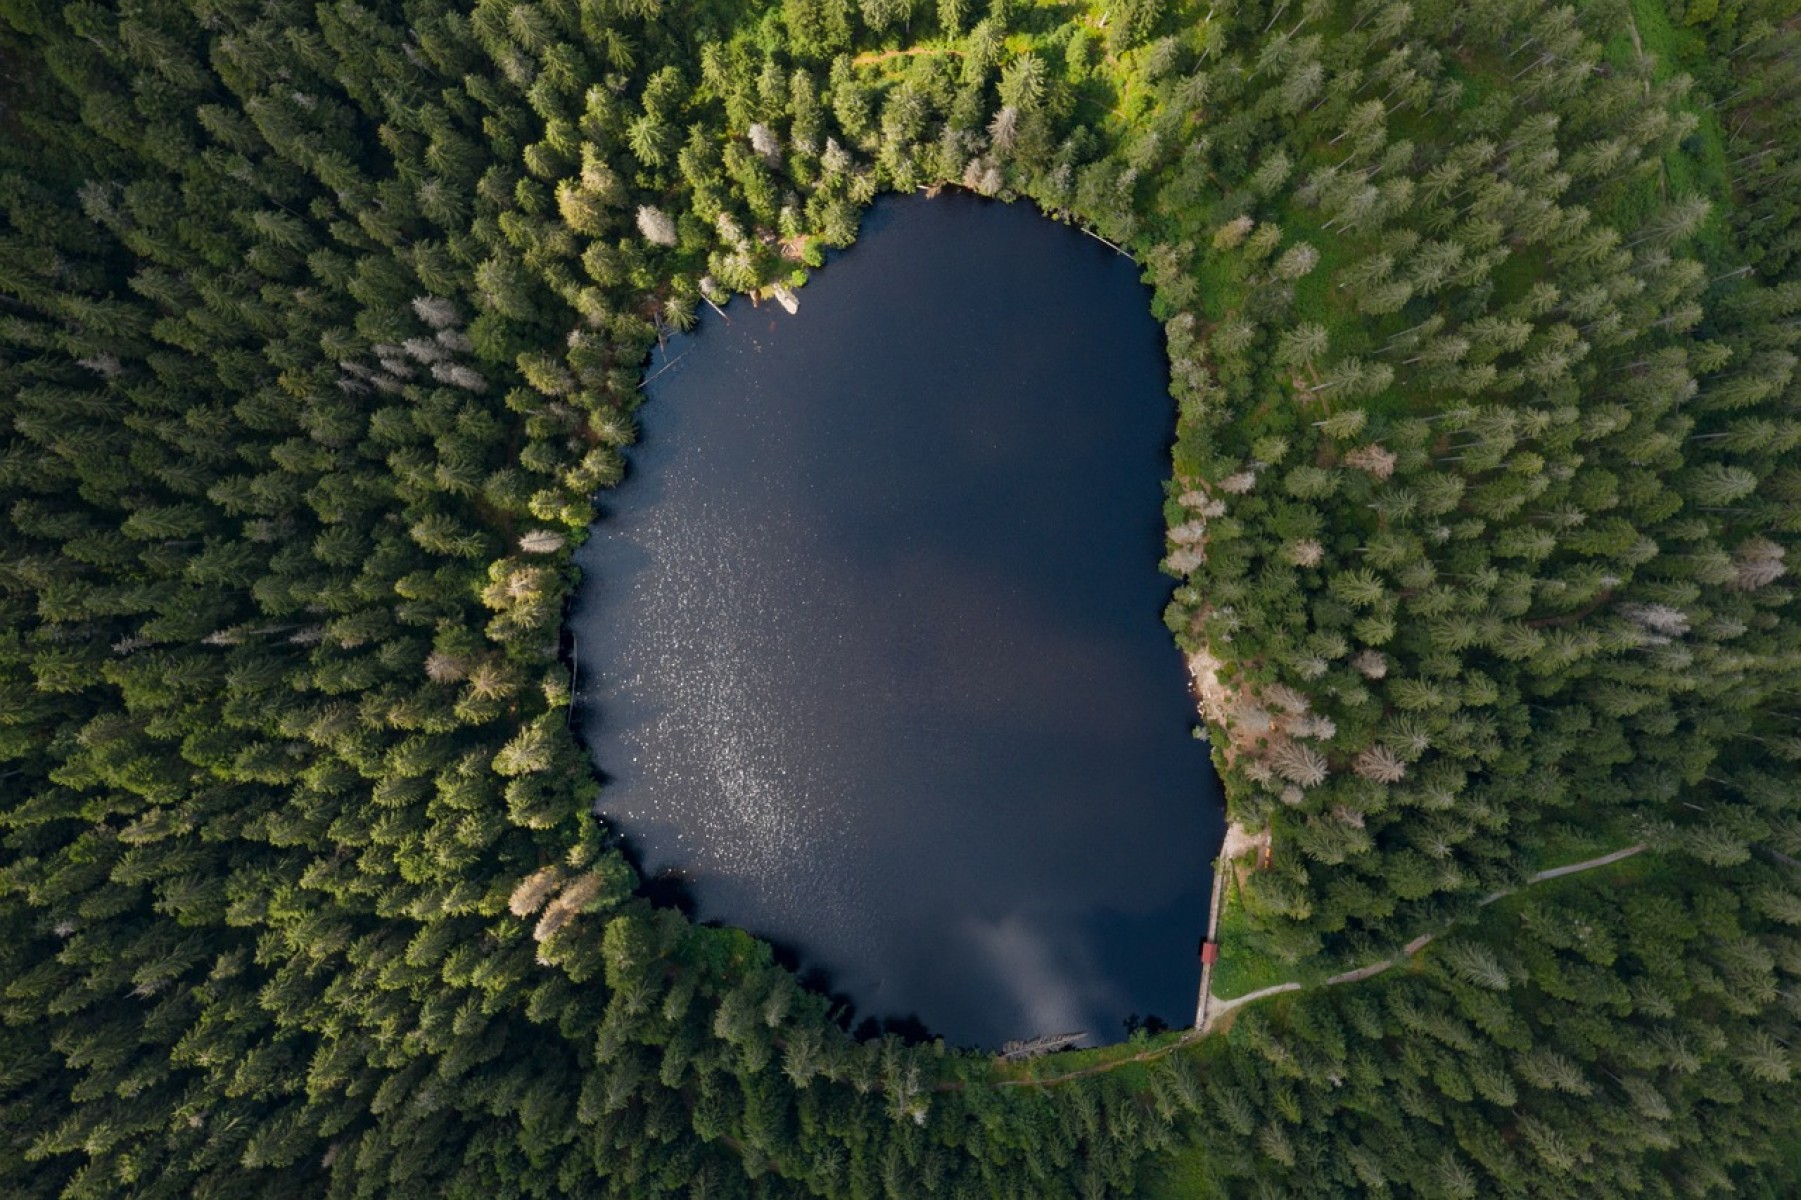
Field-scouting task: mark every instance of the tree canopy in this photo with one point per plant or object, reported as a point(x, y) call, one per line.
point(322, 326)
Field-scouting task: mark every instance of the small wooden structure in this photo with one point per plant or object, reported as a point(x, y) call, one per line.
point(1033, 1047)
point(1209, 953)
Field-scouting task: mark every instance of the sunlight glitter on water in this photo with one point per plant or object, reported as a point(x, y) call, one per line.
point(873, 656)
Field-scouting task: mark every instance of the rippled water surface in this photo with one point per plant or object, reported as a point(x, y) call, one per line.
point(870, 640)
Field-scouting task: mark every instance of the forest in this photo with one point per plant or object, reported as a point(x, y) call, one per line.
point(322, 326)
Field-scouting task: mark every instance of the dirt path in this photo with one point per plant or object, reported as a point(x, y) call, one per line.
point(1606, 860)
point(1220, 867)
point(1193, 1035)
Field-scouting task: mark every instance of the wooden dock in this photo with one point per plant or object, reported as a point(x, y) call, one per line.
point(1049, 1043)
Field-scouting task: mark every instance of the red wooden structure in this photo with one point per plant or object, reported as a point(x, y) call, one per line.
point(1209, 952)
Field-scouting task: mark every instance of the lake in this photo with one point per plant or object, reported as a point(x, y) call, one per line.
point(870, 640)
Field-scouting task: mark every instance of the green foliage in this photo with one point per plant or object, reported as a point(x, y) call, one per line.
point(321, 326)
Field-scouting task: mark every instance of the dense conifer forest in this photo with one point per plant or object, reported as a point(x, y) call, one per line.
point(322, 325)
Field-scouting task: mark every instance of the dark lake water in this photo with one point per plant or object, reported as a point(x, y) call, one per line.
point(870, 640)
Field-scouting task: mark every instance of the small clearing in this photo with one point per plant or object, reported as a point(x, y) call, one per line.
point(871, 57)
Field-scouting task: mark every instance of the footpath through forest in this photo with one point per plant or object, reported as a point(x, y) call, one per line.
point(1211, 1009)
